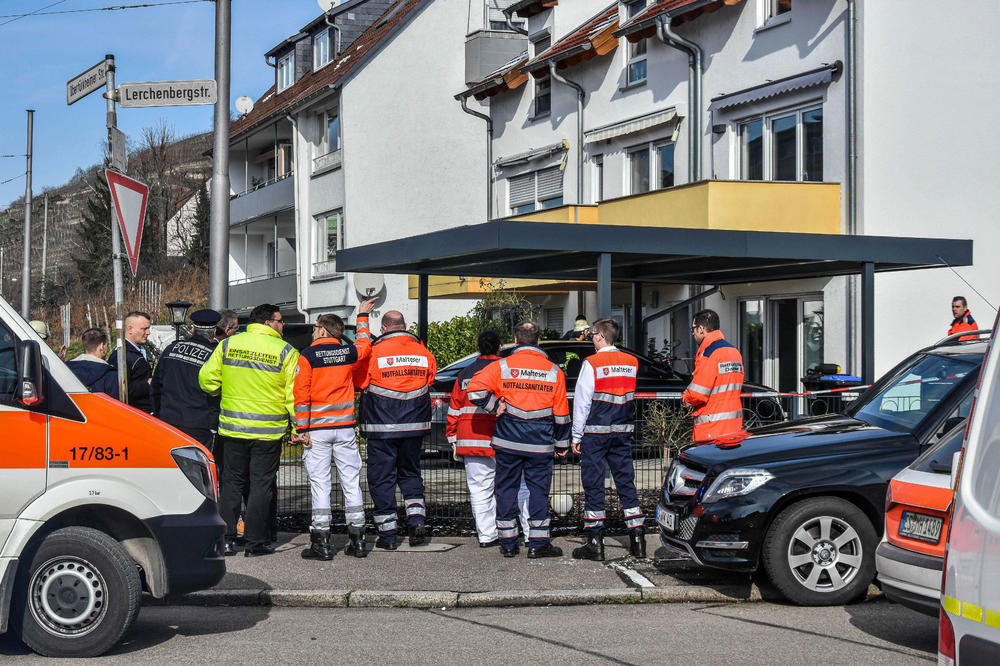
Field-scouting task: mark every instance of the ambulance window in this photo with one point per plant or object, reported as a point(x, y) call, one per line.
point(8, 364)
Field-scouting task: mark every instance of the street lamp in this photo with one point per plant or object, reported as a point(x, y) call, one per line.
point(178, 314)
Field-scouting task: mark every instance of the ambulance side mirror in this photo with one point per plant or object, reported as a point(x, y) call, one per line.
point(30, 376)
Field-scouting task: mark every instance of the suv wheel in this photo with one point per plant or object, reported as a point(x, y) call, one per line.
point(821, 552)
point(78, 595)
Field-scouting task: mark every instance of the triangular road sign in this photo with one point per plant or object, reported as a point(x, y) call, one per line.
point(129, 197)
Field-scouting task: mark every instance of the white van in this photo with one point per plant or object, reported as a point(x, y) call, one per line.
point(99, 502)
point(969, 626)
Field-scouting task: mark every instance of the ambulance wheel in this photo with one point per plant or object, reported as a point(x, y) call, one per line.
point(78, 595)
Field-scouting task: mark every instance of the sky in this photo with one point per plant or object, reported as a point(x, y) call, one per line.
point(172, 42)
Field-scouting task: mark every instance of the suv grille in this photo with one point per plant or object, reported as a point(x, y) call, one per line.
point(682, 481)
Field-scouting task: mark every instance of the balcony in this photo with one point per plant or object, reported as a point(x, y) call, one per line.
point(249, 293)
point(269, 198)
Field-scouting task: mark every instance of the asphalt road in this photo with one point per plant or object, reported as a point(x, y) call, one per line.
point(695, 634)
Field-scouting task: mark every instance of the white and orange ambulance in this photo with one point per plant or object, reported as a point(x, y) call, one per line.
point(98, 502)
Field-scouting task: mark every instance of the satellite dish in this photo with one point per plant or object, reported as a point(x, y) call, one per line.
point(244, 105)
point(327, 5)
point(370, 285)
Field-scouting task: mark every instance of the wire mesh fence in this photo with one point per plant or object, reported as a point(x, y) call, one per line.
point(662, 429)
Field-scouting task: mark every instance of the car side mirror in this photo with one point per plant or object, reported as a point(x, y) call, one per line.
point(956, 460)
point(30, 376)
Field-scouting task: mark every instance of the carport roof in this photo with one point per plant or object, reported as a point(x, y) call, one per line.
point(508, 248)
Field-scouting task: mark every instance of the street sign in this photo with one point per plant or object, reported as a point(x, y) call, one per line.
point(118, 154)
point(82, 85)
point(129, 197)
point(167, 93)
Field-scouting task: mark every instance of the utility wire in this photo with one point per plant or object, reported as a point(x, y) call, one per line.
point(20, 175)
point(25, 155)
point(112, 8)
point(967, 283)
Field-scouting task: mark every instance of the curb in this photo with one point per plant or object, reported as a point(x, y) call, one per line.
point(445, 599)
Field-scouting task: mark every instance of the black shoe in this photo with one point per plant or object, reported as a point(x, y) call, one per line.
point(356, 545)
point(547, 550)
point(637, 542)
point(593, 549)
point(510, 552)
point(386, 545)
point(489, 544)
point(229, 548)
point(260, 549)
point(320, 547)
point(418, 535)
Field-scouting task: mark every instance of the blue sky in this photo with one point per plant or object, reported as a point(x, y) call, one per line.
point(155, 44)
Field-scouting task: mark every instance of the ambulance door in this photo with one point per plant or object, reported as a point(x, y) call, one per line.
point(22, 437)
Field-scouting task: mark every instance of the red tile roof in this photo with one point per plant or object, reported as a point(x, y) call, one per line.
point(685, 10)
point(577, 40)
point(271, 104)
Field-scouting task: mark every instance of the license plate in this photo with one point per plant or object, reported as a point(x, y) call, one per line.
point(666, 518)
point(921, 526)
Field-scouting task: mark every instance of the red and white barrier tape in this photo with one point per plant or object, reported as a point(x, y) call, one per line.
point(674, 395)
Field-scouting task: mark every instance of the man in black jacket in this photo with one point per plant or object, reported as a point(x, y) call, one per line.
point(90, 367)
point(139, 373)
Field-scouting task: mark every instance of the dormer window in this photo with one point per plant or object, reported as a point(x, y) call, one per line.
point(636, 65)
point(321, 49)
point(286, 71)
point(543, 84)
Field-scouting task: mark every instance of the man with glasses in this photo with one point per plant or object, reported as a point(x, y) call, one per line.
point(255, 374)
point(714, 391)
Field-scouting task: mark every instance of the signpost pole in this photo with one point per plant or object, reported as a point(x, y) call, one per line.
point(112, 122)
point(218, 274)
point(26, 266)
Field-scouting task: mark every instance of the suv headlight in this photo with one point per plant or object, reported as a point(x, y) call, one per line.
point(194, 464)
point(736, 482)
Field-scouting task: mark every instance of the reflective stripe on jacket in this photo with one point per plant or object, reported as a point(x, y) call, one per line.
point(255, 372)
point(396, 402)
point(605, 389)
point(536, 419)
point(964, 323)
point(715, 388)
point(324, 385)
point(470, 427)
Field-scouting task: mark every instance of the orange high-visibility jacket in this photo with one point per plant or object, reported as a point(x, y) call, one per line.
point(964, 323)
point(715, 389)
point(536, 419)
point(397, 402)
point(470, 427)
point(324, 385)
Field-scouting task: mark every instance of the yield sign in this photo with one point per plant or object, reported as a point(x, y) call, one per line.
point(129, 197)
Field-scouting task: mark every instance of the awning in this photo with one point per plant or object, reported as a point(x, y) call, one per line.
point(810, 79)
point(632, 125)
point(533, 154)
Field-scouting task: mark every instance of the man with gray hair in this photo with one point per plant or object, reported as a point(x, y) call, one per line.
point(177, 397)
point(227, 326)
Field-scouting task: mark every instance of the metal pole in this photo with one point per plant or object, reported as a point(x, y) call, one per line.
point(116, 245)
point(636, 324)
point(45, 244)
point(218, 297)
point(868, 322)
point(26, 265)
point(604, 285)
point(422, 289)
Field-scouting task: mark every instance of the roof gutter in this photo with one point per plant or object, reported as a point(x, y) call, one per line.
point(562, 55)
point(464, 99)
point(580, 96)
point(666, 35)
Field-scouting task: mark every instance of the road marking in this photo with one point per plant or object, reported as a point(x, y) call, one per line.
point(631, 574)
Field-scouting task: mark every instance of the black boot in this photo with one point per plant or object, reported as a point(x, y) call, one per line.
point(418, 535)
point(320, 547)
point(593, 549)
point(637, 542)
point(548, 550)
point(356, 546)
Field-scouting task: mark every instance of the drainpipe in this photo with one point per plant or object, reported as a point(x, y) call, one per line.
point(489, 151)
point(580, 96)
point(852, 165)
point(666, 35)
point(267, 60)
point(301, 249)
point(336, 30)
point(511, 26)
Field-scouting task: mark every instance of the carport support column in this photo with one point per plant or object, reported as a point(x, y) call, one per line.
point(868, 322)
point(637, 317)
point(422, 307)
point(604, 285)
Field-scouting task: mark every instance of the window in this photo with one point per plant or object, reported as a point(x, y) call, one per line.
point(752, 338)
point(598, 178)
point(329, 238)
point(321, 49)
point(779, 7)
point(636, 67)
point(286, 71)
point(495, 18)
point(782, 146)
point(537, 190)
point(332, 131)
point(651, 167)
point(554, 320)
point(8, 365)
point(502, 25)
point(543, 85)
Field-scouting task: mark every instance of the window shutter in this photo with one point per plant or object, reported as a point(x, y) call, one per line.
point(496, 7)
point(550, 183)
point(522, 189)
point(554, 319)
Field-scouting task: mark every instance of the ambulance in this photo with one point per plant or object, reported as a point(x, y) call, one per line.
point(99, 502)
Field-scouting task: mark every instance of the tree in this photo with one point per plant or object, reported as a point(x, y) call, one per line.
point(93, 260)
point(195, 237)
point(500, 309)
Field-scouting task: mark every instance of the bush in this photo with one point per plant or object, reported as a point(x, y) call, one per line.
point(451, 340)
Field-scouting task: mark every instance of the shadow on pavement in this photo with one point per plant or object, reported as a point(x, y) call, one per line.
point(157, 625)
point(915, 630)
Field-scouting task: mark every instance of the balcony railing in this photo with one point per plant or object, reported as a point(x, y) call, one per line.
point(266, 198)
point(270, 288)
point(327, 162)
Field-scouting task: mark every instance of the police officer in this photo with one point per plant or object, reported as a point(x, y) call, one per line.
point(714, 391)
point(255, 373)
point(395, 416)
point(528, 392)
point(324, 416)
point(603, 421)
point(177, 396)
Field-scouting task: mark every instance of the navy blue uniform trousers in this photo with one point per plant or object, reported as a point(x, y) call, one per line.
point(393, 462)
point(616, 452)
point(537, 471)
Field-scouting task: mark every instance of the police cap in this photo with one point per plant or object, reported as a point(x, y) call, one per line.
point(205, 318)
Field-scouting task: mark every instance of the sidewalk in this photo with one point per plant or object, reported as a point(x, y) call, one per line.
point(454, 571)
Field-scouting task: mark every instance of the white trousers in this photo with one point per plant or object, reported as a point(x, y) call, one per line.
point(341, 445)
point(480, 471)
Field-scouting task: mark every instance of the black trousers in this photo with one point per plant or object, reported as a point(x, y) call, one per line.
point(203, 436)
point(251, 466)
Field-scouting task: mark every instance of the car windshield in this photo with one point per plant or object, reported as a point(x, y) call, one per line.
point(913, 392)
